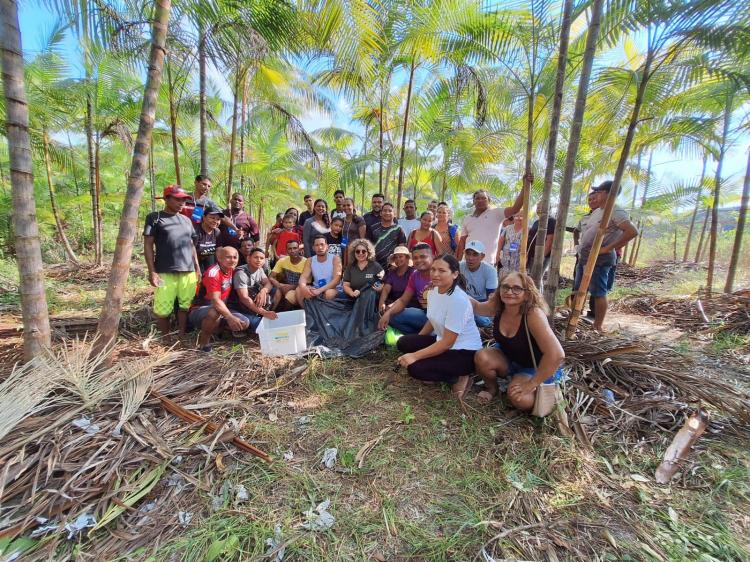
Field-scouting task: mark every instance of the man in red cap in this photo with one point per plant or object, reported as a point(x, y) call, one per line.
point(171, 259)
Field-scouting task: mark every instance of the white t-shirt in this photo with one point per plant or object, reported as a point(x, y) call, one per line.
point(408, 225)
point(453, 312)
point(485, 228)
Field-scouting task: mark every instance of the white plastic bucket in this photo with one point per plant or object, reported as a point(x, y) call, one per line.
point(283, 336)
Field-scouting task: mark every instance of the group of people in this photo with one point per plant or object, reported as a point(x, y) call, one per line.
point(432, 283)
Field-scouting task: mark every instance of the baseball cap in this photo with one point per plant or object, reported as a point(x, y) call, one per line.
point(212, 209)
point(475, 245)
point(173, 190)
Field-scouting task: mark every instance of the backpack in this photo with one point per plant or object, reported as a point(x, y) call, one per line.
point(452, 229)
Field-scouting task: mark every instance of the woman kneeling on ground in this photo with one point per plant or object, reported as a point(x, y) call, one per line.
point(520, 324)
point(448, 356)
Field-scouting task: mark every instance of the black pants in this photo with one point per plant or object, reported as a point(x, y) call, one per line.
point(446, 367)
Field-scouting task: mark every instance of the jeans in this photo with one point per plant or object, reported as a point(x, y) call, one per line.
point(409, 320)
point(483, 321)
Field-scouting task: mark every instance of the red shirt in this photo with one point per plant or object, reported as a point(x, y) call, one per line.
point(214, 281)
point(284, 237)
point(430, 241)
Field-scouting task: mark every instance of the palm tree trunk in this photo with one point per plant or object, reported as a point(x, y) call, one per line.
point(98, 204)
point(233, 137)
point(96, 231)
point(641, 224)
point(695, 211)
point(610, 205)
point(637, 248)
point(699, 249)
point(734, 260)
point(562, 62)
point(152, 176)
point(89, 126)
point(713, 233)
point(53, 202)
point(403, 136)
point(173, 125)
point(243, 126)
point(553, 279)
point(109, 319)
point(202, 100)
point(630, 246)
point(527, 178)
point(364, 168)
point(36, 330)
point(380, 136)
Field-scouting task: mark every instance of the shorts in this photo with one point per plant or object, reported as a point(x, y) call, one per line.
point(180, 286)
point(600, 278)
point(250, 318)
point(516, 369)
point(197, 315)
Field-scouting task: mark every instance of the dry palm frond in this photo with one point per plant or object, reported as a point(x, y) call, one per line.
point(652, 386)
point(82, 373)
point(23, 393)
point(132, 395)
point(721, 312)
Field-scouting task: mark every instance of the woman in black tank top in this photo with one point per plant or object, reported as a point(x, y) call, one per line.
point(520, 328)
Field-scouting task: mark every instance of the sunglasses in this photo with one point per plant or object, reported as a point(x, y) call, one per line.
point(514, 289)
point(360, 251)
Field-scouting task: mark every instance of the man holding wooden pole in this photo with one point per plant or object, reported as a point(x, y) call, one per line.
point(607, 229)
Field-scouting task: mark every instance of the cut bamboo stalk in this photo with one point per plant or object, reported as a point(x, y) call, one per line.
point(681, 445)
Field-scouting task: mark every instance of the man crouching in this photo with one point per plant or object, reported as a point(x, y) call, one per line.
point(209, 307)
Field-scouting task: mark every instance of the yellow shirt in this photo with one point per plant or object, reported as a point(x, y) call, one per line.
point(291, 271)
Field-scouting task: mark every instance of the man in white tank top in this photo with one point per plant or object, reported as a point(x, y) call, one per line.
point(321, 275)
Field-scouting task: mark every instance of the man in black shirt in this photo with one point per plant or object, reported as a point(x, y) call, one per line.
point(373, 216)
point(308, 213)
point(171, 259)
point(385, 235)
point(207, 236)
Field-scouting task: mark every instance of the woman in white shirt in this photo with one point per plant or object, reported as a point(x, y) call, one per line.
point(447, 356)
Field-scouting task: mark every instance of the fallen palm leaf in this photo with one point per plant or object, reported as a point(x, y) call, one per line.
point(142, 482)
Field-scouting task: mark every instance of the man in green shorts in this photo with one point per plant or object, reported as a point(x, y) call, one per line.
point(171, 259)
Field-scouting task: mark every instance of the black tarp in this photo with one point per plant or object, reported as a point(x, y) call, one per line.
point(350, 327)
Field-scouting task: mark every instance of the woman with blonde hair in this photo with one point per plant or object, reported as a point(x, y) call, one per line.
point(525, 348)
point(363, 272)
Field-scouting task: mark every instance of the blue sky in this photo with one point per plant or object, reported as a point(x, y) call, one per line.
point(36, 23)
